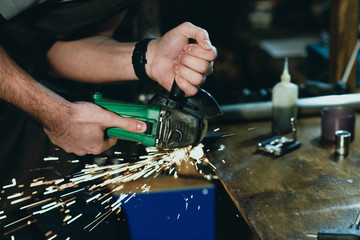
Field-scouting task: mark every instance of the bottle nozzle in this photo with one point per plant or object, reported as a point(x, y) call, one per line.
point(285, 76)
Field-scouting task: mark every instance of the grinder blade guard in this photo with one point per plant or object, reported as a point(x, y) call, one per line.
point(184, 119)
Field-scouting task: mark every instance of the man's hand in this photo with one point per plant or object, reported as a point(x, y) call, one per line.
point(101, 59)
point(81, 131)
point(173, 57)
point(79, 128)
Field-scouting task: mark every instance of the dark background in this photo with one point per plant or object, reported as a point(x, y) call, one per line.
point(241, 64)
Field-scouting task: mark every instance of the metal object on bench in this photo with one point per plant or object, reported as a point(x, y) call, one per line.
point(280, 145)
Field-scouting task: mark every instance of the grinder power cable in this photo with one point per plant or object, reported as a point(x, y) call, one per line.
point(172, 119)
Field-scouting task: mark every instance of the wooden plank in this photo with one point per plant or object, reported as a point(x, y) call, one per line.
point(293, 196)
point(343, 37)
point(164, 183)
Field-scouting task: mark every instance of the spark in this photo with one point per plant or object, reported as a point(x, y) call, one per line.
point(39, 169)
point(101, 218)
point(35, 204)
point(93, 198)
point(52, 237)
point(221, 147)
point(73, 192)
point(17, 221)
point(50, 190)
point(107, 200)
point(145, 188)
point(20, 200)
point(133, 195)
point(15, 195)
point(100, 184)
point(73, 219)
point(91, 166)
point(70, 203)
point(20, 227)
point(51, 159)
point(47, 209)
point(228, 135)
point(13, 184)
point(59, 181)
point(48, 205)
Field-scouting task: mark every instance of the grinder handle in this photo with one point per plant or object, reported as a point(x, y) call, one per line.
point(147, 113)
point(176, 92)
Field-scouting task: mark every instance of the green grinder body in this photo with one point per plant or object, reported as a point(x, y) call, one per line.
point(146, 113)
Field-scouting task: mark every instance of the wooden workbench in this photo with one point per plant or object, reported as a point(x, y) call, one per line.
point(293, 196)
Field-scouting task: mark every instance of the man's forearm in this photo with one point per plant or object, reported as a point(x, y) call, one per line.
point(75, 127)
point(21, 90)
point(95, 59)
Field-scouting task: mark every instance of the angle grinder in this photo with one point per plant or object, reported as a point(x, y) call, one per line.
point(172, 119)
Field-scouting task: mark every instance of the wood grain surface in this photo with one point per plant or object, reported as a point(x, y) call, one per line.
point(295, 195)
point(343, 36)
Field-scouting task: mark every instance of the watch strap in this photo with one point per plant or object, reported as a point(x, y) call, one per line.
point(139, 59)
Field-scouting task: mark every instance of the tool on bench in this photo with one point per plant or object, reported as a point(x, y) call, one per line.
point(279, 145)
point(352, 233)
point(172, 119)
point(318, 88)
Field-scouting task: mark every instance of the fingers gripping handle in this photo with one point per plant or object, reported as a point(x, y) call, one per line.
point(145, 113)
point(177, 93)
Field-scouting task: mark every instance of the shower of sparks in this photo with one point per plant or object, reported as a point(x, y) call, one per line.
point(100, 184)
point(13, 183)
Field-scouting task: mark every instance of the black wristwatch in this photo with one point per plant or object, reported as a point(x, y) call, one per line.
point(139, 59)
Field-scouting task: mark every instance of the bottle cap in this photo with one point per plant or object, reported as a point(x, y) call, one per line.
point(285, 76)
